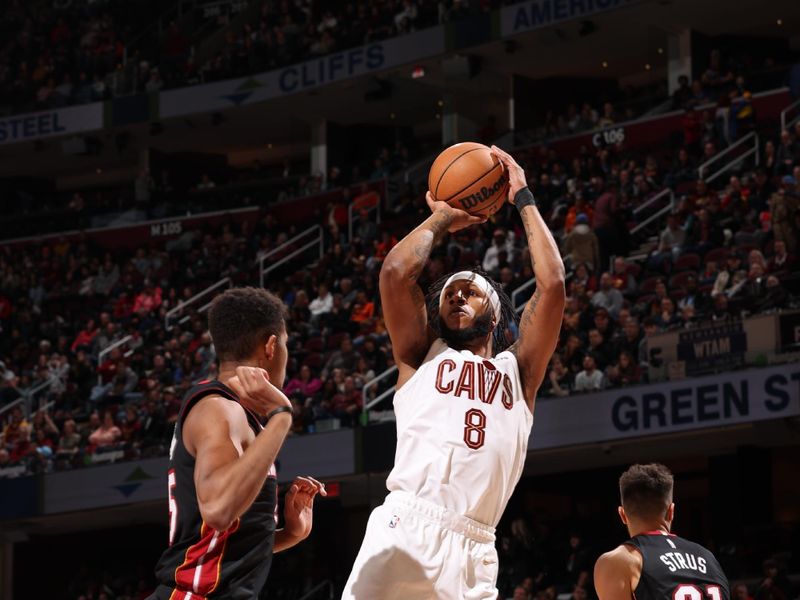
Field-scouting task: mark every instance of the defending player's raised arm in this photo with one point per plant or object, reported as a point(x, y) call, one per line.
point(541, 320)
point(402, 298)
point(227, 476)
point(616, 573)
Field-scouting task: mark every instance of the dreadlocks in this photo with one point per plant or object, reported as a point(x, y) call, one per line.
point(502, 334)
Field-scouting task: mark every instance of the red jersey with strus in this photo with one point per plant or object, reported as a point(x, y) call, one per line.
point(200, 562)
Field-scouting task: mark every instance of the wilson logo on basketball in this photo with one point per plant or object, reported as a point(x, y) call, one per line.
point(486, 192)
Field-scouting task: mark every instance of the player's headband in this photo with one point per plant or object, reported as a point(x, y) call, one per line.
point(481, 282)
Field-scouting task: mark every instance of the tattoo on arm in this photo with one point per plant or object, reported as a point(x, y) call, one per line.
point(526, 319)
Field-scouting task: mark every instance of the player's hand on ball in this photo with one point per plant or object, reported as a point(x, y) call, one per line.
point(254, 389)
point(461, 218)
point(516, 174)
point(298, 509)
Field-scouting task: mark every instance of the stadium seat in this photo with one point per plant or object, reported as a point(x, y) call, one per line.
point(718, 255)
point(678, 281)
point(687, 262)
point(649, 285)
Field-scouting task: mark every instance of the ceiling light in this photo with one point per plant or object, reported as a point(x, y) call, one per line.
point(647, 67)
point(661, 51)
point(605, 65)
point(779, 22)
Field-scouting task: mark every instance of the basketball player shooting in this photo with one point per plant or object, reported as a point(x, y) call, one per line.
point(464, 407)
point(222, 478)
point(655, 564)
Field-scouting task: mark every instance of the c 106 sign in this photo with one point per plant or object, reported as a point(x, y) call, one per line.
point(609, 137)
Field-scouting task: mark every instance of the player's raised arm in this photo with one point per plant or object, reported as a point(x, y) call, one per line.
point(402, 299)
point(541, 320)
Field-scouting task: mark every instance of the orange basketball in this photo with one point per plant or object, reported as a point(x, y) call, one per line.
point(468, 176)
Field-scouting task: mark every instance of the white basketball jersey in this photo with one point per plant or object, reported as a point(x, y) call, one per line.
point(462, 432)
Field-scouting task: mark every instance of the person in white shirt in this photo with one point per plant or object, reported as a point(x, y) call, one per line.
point(501, 242)
point(322, 304)
point(590, 378)
point(608, 296)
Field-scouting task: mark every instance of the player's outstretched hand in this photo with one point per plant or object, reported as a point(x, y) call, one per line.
point(516, 174)
point(255, 391)
point(461, 218)
point(298, 510)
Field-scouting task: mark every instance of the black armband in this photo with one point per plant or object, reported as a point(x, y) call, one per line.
point(280, 409)
point(523, 198)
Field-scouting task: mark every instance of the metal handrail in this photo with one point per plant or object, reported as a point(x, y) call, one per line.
point(379, 398)
point(652, 200)
point(27, 395)
point(352, 207)
point(752, 136)
point(184, 303)
point(518, 291)
point(8, 407)
point(372, 383)
point(785, 111)
point(312, 593)
point(318, 239)
point(668, 208)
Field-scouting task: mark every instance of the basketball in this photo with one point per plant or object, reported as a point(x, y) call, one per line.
point(469, 177)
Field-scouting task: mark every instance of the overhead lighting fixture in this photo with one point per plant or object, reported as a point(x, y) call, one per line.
point(605, 64)
point(438, 116)
point(440, 102)
point(269, 146)
point(99, 170)
point(779, 22)
point(391, 116)
point(647, 67)
point(661, 51)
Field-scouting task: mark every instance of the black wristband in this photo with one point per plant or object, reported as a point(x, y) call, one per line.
point(280, 409)
point(523, 198)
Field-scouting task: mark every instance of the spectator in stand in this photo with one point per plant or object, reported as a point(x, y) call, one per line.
point(500, 253)
point(84, 338)
point(683, 93)
point(786, 157)
point(322, 304)
point(363, 309)
point(721, 312)
point(344, 358)
point(775, 585)
point(304, 385)
point(599, 348)
point(580, 207)
point(608, 296)
point(666, 318)
point(559, 379)
point(581, 244)
point(739, 592)
point(781, 261)
point(107, 434)
point(625, 372)
point(148, 300)
point(347, 404)
point(670, 244)
point(621, 277)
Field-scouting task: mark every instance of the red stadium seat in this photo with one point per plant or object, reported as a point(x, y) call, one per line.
point(678, 281)
point(315, 344)
point(718, 255)
point(314, 360)
point(335, 340)
point(649, 285)
point(687, 262)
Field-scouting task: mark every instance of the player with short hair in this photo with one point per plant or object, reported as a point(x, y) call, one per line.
point(464, 407)
point(655, 564)
point(222, 478)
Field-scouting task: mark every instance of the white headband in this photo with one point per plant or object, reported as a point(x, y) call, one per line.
point(481, 282)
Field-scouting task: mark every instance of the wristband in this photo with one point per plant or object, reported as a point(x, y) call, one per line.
point(280, 409)
point(523, 198)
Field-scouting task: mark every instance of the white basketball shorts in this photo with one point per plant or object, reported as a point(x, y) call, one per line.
point(414, 550)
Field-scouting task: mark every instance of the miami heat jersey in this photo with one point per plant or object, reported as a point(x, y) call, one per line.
point(462, 432)
point(677, 569)
point(201, 562)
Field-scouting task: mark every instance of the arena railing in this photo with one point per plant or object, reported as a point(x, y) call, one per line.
point(322, 591)
point(519, 290)
point(667, 208)
point(26, 398)
point(786, 120)
point(107, 350)
point(316, 238)
point(750, 138)
point(374, 382)
point(199, 296)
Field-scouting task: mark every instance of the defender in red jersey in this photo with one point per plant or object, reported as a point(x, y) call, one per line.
point(222, 481)
point(655, 564)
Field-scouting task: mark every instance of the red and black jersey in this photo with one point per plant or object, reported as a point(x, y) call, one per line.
point(201, 562)
point(674, 568)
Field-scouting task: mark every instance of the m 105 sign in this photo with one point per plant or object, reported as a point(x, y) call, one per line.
point(712, 348)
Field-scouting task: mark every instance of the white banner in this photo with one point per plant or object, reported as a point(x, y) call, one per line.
point(321, 455)
point(50, 123)
point(535, 14)
point(698, 403)
point(303, 76)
